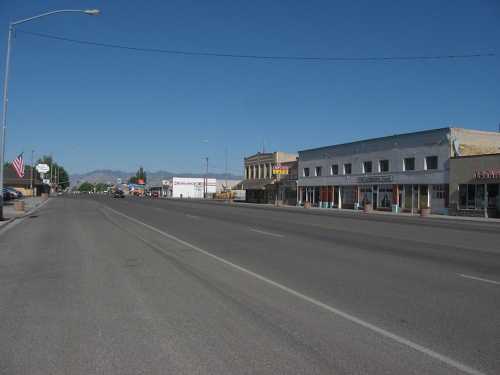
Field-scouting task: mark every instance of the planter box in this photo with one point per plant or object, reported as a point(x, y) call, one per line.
point(368, 207)
point(425, 211)
point(19, 206)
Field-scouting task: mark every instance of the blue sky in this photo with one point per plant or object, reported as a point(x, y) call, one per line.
point(103, 108)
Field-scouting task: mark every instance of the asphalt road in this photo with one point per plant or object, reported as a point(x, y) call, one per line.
point(95, 285)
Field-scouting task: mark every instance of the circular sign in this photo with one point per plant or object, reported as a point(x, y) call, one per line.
point(42, 168)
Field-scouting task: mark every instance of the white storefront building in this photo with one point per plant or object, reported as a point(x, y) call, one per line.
point(406, 171)
point(184, 187)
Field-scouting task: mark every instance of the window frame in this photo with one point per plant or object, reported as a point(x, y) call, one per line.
point(350, 168)
point(380, 165)
point(427, 163)
point(405, 169)
point(317, 169)
point(336, 171)
point(370, 163)
point(304, 174)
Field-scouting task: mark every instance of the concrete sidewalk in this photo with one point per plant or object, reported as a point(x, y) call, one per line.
point(10, 212)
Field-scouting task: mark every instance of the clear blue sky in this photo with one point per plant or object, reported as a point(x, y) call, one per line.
point(103, 108)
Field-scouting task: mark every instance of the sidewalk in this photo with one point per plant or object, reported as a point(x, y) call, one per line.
point(351, 212)
point(10, 213)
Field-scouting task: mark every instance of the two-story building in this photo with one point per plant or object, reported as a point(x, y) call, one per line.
point(262, 185)
point(400, 172)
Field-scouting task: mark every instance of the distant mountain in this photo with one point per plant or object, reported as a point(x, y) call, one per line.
point(154, 178)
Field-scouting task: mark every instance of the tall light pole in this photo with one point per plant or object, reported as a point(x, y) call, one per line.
point(12, 25)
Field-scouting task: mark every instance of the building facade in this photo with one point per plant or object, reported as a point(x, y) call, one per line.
point(405, 172)
point(264, 186)
point(475, 185)
point(186, 187)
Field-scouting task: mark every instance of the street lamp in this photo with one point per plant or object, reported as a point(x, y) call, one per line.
point(90, 12)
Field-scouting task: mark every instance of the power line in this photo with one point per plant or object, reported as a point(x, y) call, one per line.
point(259, 57)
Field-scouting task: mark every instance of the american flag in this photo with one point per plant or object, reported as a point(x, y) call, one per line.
point(18, 165)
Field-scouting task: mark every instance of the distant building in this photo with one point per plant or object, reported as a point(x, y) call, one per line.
point(184, 187)
point(11, 179)
point(406, 172)
point(264, 186)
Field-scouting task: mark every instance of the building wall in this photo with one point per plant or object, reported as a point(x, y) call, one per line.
point(462, 171)
point(475, 142)
point(393, 148)
point(191, 187)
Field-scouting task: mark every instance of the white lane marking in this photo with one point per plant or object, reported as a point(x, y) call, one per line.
point(266, 233)
point(381, 331)
point(193, 216)
point(478, 279)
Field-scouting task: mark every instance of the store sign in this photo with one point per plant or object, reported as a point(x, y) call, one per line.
point(487, 174)
point(280, 170)
point(377, 179)
point(42, 168)
point(140, 181)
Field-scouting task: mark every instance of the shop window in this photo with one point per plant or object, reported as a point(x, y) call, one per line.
point(366, 195)
point(471, 196)
point(317, 171)
point(409, 164)
point(335, 169)
point(439, 191)
point(385, 194)
point(431, 162)
point(383, 166)
point(367, 167)
point(493, 192)
point(462, 192)
point(347, 168)
point(306, 172)
point(479, 204)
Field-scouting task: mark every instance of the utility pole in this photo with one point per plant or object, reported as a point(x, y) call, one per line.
point(226, 170)
point(31, 176)
point(205, 192)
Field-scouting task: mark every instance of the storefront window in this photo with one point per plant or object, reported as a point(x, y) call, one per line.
point(471, 196)
point(462, 191)
point(365, 195)
point(479, 197)
point(493, 193)
point(385, 195)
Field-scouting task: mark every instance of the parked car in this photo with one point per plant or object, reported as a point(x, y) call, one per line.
point(119, 194)
point(7, 196)
point(17, 193)
point(9, 193)
point(155, 194)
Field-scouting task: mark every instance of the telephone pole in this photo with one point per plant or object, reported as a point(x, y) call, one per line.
point(205, 189)
point(31, 176)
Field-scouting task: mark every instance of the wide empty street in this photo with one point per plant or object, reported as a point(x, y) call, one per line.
point(96, 285)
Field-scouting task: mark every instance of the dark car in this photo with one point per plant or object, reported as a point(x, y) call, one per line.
point(7, 196)
point(16, 193)
point(119, 194)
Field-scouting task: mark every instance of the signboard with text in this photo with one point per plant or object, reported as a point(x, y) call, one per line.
point(280, 170)
point(488, 174)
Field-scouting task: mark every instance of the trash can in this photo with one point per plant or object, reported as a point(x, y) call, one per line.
point(395, 209)
point(367, 207)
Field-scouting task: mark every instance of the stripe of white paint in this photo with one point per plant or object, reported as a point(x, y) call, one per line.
point(266, 233)
point(381, 331)
point(479, 279)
